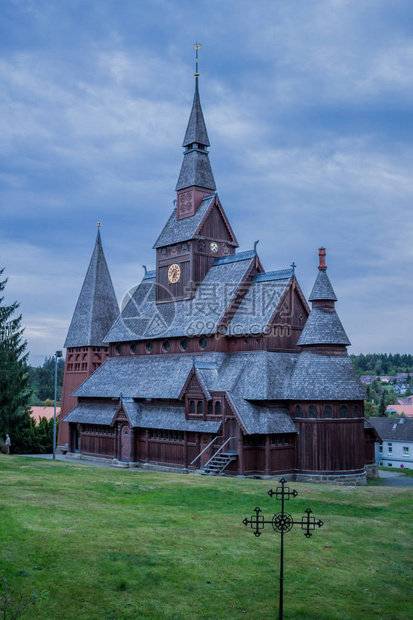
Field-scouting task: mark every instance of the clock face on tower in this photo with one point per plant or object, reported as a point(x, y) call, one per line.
point(174, 273)
point(214, 247)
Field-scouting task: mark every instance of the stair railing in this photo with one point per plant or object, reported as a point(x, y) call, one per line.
point(205, 449)
point(218, 451)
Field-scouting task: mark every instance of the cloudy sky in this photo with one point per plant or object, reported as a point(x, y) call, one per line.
point(308, 105)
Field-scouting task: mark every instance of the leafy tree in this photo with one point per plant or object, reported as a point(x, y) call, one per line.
point(14, 390)
point(369, 409)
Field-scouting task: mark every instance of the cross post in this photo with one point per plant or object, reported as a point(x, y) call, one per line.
point(282, 522)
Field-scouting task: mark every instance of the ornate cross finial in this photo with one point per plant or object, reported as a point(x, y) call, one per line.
point(98, 224)
point(197, 46)
point(293, 265)
point(282, 522)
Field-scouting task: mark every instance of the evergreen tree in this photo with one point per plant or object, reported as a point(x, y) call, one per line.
point(382, 406)
point(14, 391)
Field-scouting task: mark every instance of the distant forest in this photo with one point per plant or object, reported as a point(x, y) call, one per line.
point(41, 382)
point(382, 363)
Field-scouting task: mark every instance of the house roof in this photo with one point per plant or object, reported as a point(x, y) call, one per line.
point(97, 307)
point(399, 409)
point(323, 326)
point(43, 412)
point(394, 429)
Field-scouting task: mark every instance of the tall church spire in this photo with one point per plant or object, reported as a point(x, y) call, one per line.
point(196, 179)
point(97, 307)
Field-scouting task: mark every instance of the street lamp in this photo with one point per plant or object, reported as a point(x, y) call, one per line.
point(57, 355)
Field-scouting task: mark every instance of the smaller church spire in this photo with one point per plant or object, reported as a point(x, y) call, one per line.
point(323, 326)
point(322, 289)
point(97, 307)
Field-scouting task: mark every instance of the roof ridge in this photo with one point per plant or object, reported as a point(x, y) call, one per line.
point(233, 258)
point(279, 274)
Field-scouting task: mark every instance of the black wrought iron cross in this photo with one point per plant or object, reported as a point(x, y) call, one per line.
point(282, 522)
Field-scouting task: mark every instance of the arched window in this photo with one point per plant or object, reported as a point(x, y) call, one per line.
point(200, 408)
point(133, 348)
point(118, 349)
point(210, 408)
point(343, 411)
point(312, 412)
point(297, 411)
point(166, 345)
point(149, 346)
point(184, 344)
point(355, 411)
point(203, 341)
point(192, 406)
point(328, 411)
point(218, 407)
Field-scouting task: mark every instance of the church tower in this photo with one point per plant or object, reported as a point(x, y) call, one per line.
point(198, 230)
point(95, 312)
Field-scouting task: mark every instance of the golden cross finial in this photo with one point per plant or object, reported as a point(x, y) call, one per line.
point(197, 46)
point(99, 224)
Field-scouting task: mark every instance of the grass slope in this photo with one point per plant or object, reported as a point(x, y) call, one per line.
point(124, 544)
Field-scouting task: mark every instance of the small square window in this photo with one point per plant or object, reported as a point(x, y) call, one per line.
point(405, 450)
point(381, 449)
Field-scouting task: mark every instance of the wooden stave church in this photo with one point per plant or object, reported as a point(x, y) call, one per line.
point(213, 363)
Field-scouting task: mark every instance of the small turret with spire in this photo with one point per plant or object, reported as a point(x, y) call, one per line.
point(323, 326)
point(196, 179)
point(95, 312)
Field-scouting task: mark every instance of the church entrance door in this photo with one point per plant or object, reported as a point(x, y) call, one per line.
point(125, 447)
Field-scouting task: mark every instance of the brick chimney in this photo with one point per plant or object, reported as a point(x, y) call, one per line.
point(322, 258)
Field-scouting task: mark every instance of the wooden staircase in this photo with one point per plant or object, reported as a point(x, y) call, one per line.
point(218, 463)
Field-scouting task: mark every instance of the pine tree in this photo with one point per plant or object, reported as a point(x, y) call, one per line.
point(14, 393)
point(382, 406)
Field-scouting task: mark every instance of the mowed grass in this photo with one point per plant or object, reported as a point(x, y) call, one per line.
point(127, 544)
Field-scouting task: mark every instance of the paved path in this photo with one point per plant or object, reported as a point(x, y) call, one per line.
point(394, 479)
point(68, 459)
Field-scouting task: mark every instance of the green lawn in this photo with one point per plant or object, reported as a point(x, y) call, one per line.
point(125, 544)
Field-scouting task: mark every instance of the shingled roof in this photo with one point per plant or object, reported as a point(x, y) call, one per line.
point(324, 376)
point(196, 130)
point(322, 289)
point(323, 326)
point(142, 318)
point(259, 303)
point(177, 231)
point(394, 429)
point(97, 307)
point(196, 168)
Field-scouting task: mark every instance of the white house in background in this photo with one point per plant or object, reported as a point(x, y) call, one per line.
point(396, 447)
